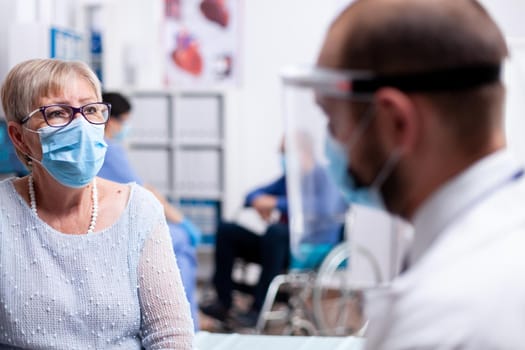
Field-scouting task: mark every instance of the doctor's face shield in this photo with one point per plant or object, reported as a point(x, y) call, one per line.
point(317, 207)
point(319, 184)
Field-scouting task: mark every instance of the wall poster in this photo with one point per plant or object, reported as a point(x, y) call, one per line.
point(201, 40)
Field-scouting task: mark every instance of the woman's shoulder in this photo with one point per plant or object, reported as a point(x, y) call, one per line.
point(144, 201)
point(146, 212)
point(6, 185)
point(141, 194)
point(130, 205)
point(117, 199)
point(6, 180)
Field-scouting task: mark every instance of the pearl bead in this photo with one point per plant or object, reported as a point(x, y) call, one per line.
point(94, 199)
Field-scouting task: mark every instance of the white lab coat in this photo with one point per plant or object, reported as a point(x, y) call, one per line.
point(465, 288)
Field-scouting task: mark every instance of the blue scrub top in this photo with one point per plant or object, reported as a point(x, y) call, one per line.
point(117, 166)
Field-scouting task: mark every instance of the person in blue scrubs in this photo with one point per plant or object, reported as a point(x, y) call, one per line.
point(117, 167)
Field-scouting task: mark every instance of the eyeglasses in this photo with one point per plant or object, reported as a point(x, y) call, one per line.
point(60, 115)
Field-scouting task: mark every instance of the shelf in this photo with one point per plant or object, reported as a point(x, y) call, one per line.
point(178, 144)
point(198, 143)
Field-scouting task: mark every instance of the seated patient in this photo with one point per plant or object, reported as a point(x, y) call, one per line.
point(270, 250)
point(85, 263)
point(117, 167)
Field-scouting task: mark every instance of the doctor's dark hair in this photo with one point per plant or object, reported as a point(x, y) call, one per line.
point(417, 35)
point(119, 104)
point(411, 36)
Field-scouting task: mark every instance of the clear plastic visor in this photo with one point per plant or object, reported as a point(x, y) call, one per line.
point(316, 208)
point(319, 217)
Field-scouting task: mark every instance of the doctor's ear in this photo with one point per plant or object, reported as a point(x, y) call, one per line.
point(398, 118)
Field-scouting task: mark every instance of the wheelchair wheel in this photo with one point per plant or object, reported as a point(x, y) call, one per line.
point(300, 327)
point(336, 299)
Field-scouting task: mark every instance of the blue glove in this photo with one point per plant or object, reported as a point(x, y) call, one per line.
point(193, 231)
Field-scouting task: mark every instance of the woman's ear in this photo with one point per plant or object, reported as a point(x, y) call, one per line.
point(398, 119)
point(14, 130)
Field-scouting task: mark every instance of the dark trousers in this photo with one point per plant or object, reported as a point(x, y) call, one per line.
point(271, 251)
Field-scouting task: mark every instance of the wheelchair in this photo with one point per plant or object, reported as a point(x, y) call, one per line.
point(317, 296)
point(324, 298)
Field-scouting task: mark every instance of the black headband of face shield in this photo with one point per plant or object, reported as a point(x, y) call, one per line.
point(433, 81)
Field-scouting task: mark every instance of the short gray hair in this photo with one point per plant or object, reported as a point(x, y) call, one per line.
point(30, 81)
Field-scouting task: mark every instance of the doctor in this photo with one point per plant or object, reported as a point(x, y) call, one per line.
point(427, 136)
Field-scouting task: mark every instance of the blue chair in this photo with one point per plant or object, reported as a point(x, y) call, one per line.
point(9, 162)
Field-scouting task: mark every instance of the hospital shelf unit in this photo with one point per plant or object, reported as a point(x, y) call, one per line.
point(176, 145)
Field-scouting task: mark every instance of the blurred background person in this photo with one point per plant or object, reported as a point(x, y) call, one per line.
point(184, 234)
point(271, 250)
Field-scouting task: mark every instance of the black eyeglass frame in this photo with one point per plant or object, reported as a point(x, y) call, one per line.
point(74, 111)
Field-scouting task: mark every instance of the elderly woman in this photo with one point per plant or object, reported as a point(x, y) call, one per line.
point(85, 263)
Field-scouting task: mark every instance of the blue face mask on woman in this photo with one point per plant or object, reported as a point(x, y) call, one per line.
point(338, 170)
point(74, 154)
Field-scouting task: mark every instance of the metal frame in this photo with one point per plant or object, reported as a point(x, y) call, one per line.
point(303, 319)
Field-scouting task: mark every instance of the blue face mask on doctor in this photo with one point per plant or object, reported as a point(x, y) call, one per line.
point(337, 168)
point(74, 154)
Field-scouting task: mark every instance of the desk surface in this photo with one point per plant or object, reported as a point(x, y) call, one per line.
point(218, 341)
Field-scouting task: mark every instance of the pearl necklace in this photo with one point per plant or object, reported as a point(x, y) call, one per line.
point(94, 198)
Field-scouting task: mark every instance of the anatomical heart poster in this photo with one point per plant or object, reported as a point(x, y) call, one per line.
point(201, 38)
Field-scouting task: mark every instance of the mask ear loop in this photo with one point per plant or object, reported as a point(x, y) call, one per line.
point(387, 169)
point(391, 162)
point(366, 120)
point(31, 159)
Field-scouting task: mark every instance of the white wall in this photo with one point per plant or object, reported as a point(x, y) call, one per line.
point(8, 8)
point(23, 32)
point(274, 34)
point(509, 15)
point(132, 41)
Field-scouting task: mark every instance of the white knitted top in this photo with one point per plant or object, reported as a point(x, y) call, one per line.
point(119, 288)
